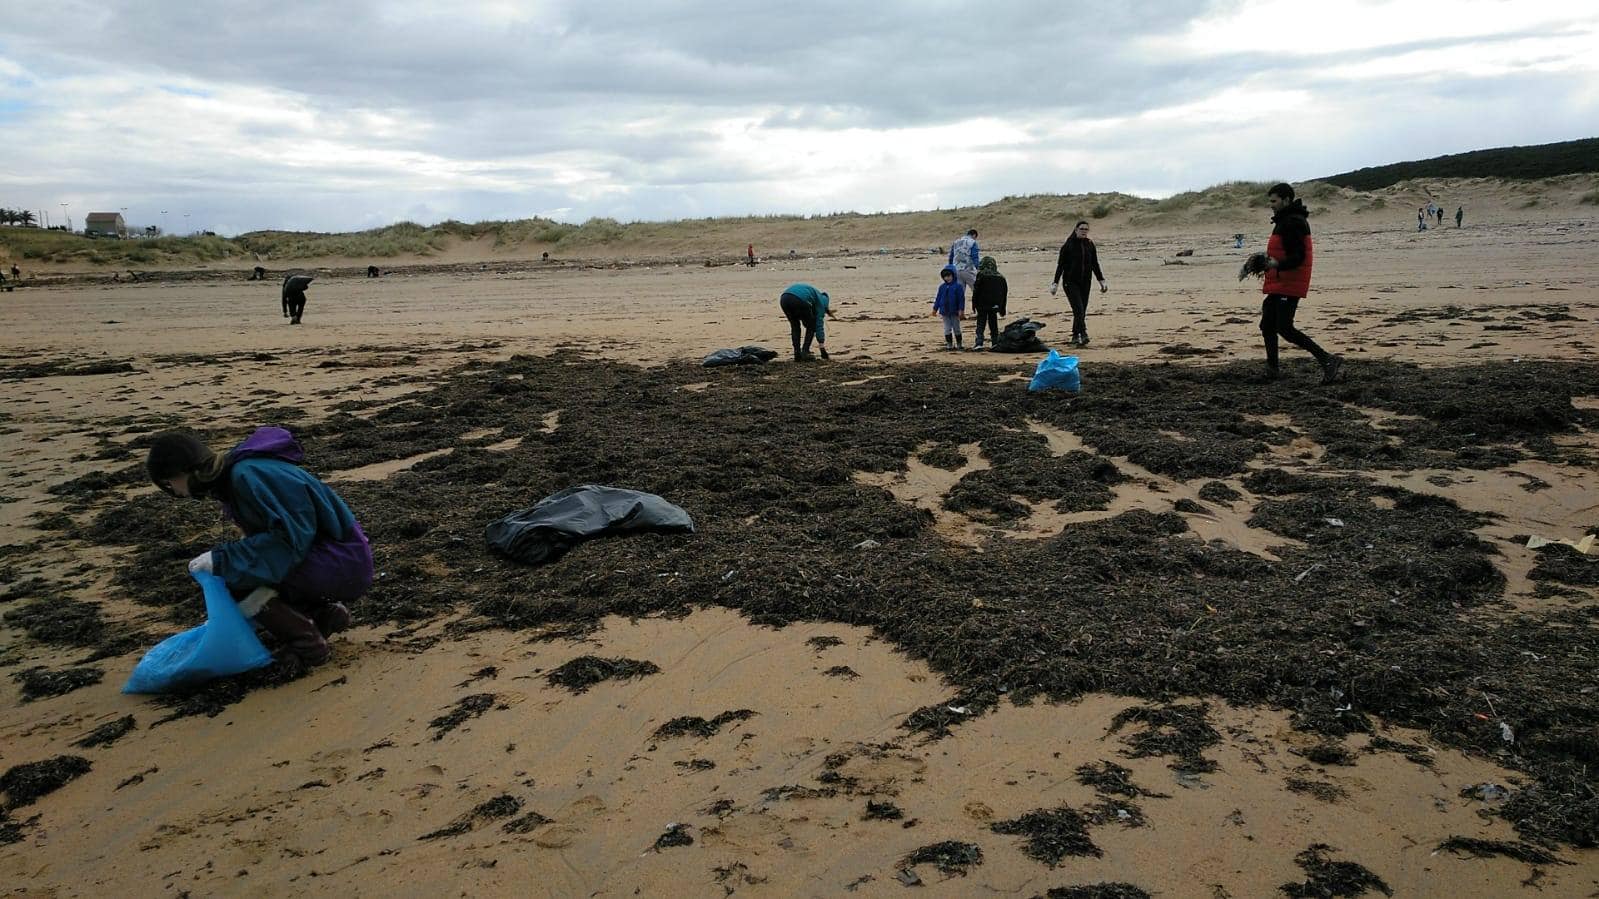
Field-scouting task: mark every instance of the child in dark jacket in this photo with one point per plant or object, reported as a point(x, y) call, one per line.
point(988, 300)
point(950, 305)
point(303, 554)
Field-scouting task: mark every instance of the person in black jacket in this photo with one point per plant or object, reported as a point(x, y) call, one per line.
point(988, 299)
point(294, 296)
point(1078, 260)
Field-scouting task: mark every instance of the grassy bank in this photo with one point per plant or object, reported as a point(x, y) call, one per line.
point(1030, 220)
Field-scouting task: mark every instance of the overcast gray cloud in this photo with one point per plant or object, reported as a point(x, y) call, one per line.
point(332, 116)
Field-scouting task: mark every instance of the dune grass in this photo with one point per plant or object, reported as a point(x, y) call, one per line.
point(1035, 219)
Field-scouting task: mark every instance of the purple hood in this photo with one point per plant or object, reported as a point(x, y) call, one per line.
point(275, 443)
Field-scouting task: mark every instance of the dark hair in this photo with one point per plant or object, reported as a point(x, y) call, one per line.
point(1282, 189)
point(176, 452)
point(1078, 225)
point(972, 232)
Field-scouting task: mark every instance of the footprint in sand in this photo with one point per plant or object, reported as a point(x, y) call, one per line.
point(568, 828)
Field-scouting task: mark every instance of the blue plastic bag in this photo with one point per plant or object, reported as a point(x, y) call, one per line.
point(1057, 372)
point(225, 644)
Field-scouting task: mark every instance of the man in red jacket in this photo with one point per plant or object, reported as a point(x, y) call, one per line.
point(1289, 255)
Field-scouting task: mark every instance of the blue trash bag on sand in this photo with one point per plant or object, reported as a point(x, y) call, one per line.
point(1057, 372)
point(225, 644)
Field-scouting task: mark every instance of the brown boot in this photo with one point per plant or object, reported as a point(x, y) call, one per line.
point(294, 630)
point(332, 618)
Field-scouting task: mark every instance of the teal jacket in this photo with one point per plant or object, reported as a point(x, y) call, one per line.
point(815, 299)
point(283, 510)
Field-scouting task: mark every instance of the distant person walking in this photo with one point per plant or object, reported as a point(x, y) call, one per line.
point(949, 304)
point(807, 309)
point(1421, 218)
point(1289, 256)
point(963, 254)
point(751, 251)
point(1460, 215)
point(988, 300)
point(1078, 260)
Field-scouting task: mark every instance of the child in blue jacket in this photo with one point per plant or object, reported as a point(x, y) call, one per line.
point(950, 305)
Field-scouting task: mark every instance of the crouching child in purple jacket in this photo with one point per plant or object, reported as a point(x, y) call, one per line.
point(303, 554)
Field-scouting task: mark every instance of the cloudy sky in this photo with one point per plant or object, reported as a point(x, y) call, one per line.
point(345, 114)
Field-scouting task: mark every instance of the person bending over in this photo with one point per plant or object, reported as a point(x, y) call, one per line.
point(303, 554)
point(807, 309)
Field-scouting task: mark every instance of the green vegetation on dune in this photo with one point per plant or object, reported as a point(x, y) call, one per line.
point(40, 245)
point(401, 238)
point(1031, 219)
point(1572, 157)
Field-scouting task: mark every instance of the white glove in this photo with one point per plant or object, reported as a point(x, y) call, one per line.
point(252, 604)
point(1052, 289)
point(202, 562)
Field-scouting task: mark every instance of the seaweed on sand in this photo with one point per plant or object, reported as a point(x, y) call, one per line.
point(1104, 890)
point(1052, 834)
point(586, 671)
point(950, 857)
point(503, 806)
point(693, 725)
point(466, 708)
point(23, 784)
point(1383, 617)
point(1173, 730)
point(38, 683)
point(1327, 878)
point(1111, 779)
point(1521, 852)
point(106, 734)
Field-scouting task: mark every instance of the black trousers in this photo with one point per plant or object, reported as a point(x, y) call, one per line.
point(294, 304)
point(1277, 320)
point(987, 318)
point(1077, 296)
point(800, 316)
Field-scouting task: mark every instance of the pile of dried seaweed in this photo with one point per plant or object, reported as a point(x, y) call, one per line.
point(1387, 605)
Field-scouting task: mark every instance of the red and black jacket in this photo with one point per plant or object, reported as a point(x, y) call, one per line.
point(1291, 246)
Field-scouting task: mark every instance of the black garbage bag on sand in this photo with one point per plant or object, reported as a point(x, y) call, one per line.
point(744, 355)
point(562, 520)
point(1020, 336)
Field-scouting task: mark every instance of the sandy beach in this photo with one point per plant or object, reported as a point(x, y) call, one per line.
point(340, 781)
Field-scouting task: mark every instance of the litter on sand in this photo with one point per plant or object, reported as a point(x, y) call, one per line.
point(1584, 546)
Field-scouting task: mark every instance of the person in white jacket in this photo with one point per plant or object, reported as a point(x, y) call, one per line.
point(964, 255)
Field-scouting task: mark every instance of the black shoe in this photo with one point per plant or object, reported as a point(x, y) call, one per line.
point(1085, 341)
point(1272, 373)
point(1329, 372)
